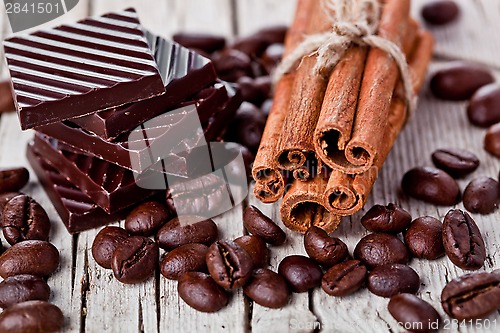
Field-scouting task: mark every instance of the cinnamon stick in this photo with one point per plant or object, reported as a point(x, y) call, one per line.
point(346, 195)
point(302, 206)
point(305, 104)
point(270, 184)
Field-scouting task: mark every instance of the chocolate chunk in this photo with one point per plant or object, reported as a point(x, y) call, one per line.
point(202, 41)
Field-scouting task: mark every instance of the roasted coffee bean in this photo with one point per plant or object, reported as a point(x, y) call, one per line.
point(252, 45)
point(200, 292)
point(462, 240)
point(391, 279)
point(232, 64)
point(390, 219)
point(29, 257)
point(12, 180)
point(31, 317)
point(266, 106)
point(260, 225)
point(301, 273)
point(456, 162)
point(22, 288)
point(414, 313)
point(472, 296)
point(482, 195)
point(186, 258)
point(185, 230)
point(147, 218)
point(431, 185)
point(273, 34)
point(135, 259)
point(206, 42)
point(6, 100)
point(256, 248)
point(344, 278)
point(439, 12)
point(229, 264)
point(247, 126)
point(4, 198)
point(24, 219)
point(272, 56)
point(106, 242)
point(380, 249)
point(459, 81)
point(268, 289)
point(324, 249)
point(424, 238)
point(484, 107)
point(492, 140)
point(254, 91)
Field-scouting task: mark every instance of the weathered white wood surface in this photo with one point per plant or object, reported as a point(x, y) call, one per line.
point(93, 301)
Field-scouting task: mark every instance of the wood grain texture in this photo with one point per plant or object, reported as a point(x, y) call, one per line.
point(93, 301)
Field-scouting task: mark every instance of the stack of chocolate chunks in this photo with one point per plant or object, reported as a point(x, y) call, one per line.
point(89, 86)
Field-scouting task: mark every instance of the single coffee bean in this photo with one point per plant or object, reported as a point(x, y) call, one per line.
point(105, 243)
point(200, 292)
point(4, 198)
point(344, 278)
point(22, 288)
point(492, 140)
point(462, 240)
point(301, 273)
point(459, 81)
point(268, 289)
point(273, 34)
point(185, 230)
point(380, 249)
point(272, 56)
point(252, 90)
point(482, 195)
point(31, 317)
point(252, 45)
point(324, 249)
point(256, 248)
point(206, 42)
point(424, 238)
point(147, 218)
point(484, 107)
point(390, 219)
point(414, 313)
point(186, 258)
point(229, 264)
point(391, 279)
point(431, 185)
point(260, 225)
point(12, 180)
point(266, 106)
point(232, 64)
point(6, 100)
point(472, 296)
point(135, 259)
point(24, 219)
point(29, 257)
point(439, 12)
point(456, 162)
point(247, 126)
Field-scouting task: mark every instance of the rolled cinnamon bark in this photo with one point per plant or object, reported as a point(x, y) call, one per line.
point(306, 98)
point(302, 206)
point(270, 184)
point(345, 195)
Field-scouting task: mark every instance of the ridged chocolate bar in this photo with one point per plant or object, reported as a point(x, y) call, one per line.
point(111, 187)
point(77, 211)
point(215, 107)
point(78, 69)
point(184, 73)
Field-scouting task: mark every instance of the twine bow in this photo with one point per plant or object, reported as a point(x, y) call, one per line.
point(353, 22)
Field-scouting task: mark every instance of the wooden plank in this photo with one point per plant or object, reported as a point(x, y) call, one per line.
point(253, 15)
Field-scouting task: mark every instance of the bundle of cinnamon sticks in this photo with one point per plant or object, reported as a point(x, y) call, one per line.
point(329, 133)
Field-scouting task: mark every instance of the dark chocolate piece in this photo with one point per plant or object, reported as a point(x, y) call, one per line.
point(184, 73)
point(77, 211)
point(78, 69)
point(216, 107)
point(111, 187)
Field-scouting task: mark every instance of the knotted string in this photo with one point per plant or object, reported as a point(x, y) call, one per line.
point(353, 22)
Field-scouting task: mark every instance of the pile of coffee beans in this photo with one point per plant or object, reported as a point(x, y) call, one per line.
point(249, 62)
point(438, 185)
point(31, 259)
